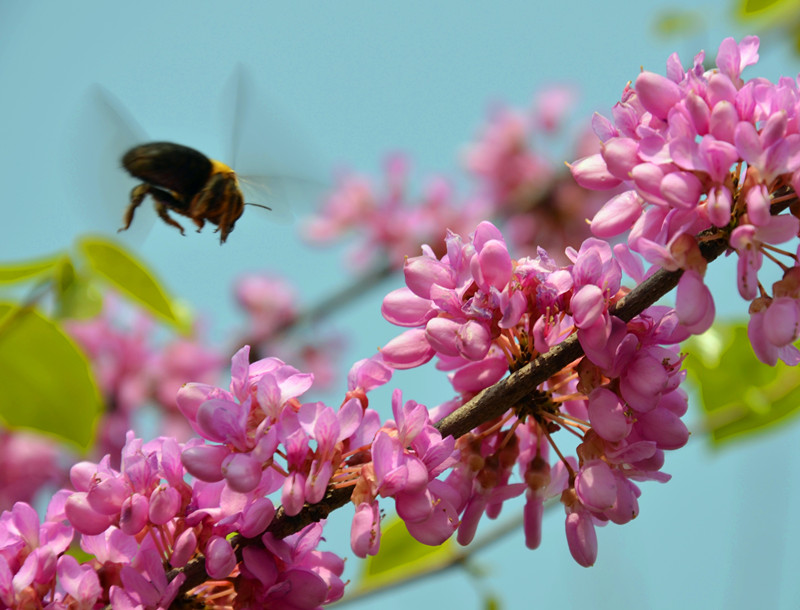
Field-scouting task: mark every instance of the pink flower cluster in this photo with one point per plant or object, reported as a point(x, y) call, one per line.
point(148, 516)
point(698, 151)
point(264, 439)
point(271, 307)
point(539, 206)
point(390, 226)
point(408, 453)
point(145, 519)
point(132, 370)
point(503, 160)
point(484, 314)
point(707, 151)
point(512, 181)
point(30, 462)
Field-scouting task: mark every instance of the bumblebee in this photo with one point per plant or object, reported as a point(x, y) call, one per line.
point(185, 181)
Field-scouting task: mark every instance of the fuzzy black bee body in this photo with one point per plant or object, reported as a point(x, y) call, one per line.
point(185, 181)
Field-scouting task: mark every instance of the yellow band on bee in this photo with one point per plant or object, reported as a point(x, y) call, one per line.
point(218, 167)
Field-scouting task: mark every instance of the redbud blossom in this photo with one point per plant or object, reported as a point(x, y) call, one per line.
point(701, 150)
point(482, 328)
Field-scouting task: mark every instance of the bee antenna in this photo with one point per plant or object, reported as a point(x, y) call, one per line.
point(258, 205)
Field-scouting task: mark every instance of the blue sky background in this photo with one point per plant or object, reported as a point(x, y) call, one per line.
point(356, 80)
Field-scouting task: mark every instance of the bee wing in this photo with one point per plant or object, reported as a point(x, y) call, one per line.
point(103, 131)
point(268, 151)
point(281, 194)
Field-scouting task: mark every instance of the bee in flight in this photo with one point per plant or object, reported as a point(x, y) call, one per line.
point(182, 181)
point(185, 181)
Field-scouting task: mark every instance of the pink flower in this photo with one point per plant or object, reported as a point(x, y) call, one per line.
point(766, 349)
point(365, 533)
point(80, 582)
point(694, 303)
point(607, 415)
point(302, 577)
point(581, 537)
point(269, 303)
point(503, 159)
point(146, 585)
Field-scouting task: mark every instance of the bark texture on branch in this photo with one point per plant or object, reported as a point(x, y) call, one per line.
point(490, 404)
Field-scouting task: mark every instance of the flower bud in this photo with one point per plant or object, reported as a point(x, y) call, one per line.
point(220, 558)
point(83, 517)
point(164, 504)
point(657, 93)
point(581, 538)
point(242, 472)
point(184, 549)
point(134, 514)
point(107, 493)
point(205, 461)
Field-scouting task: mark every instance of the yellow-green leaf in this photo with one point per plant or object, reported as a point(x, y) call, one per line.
point(675, 22)
point(740, 395)
point(492, 602)
point(17, 272)
point(131, 276)
point(757, 8)
point(46, 380)
point(76, 296)
point(401, 556)
point(783, 14)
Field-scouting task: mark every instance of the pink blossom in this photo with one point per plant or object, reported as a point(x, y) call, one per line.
point(694, 303)
point(607, 415)
point(593, 173)
point(581, 537)
point(618, 215)
point(79, 582)
point(30, 462)
point(701, 150)
point(595, 486)
point(146, 585)
point(268, 301)
point(503, 159)
point(409, 350)
point(365, 534)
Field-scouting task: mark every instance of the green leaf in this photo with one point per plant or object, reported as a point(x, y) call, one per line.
point(769, 13)
point(18, 272)
point(76, 297)
point(678, 23)
point(401, 556)
point(752, 8)
point(46, 379)
point(131, 276)
point(492, 602)
point(740, 395)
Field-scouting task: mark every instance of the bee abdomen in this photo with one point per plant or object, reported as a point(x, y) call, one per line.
point(177, 168)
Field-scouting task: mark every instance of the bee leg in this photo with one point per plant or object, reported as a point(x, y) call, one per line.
point(200, 205)
point(231, 211)
point(164, 201)
point(138, 193)
point(163, 214)
point(219, 202)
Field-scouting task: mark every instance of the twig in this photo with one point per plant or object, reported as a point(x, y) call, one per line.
point(496, 400)
point(489, 404)
point(453, 560)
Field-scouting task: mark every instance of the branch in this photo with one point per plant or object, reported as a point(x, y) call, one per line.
point(489, 404)
point(497, 399)
point(345, 295)
point(456, 559)
point(384, 269)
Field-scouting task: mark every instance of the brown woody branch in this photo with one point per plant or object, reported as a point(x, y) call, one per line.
point(489, 404)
